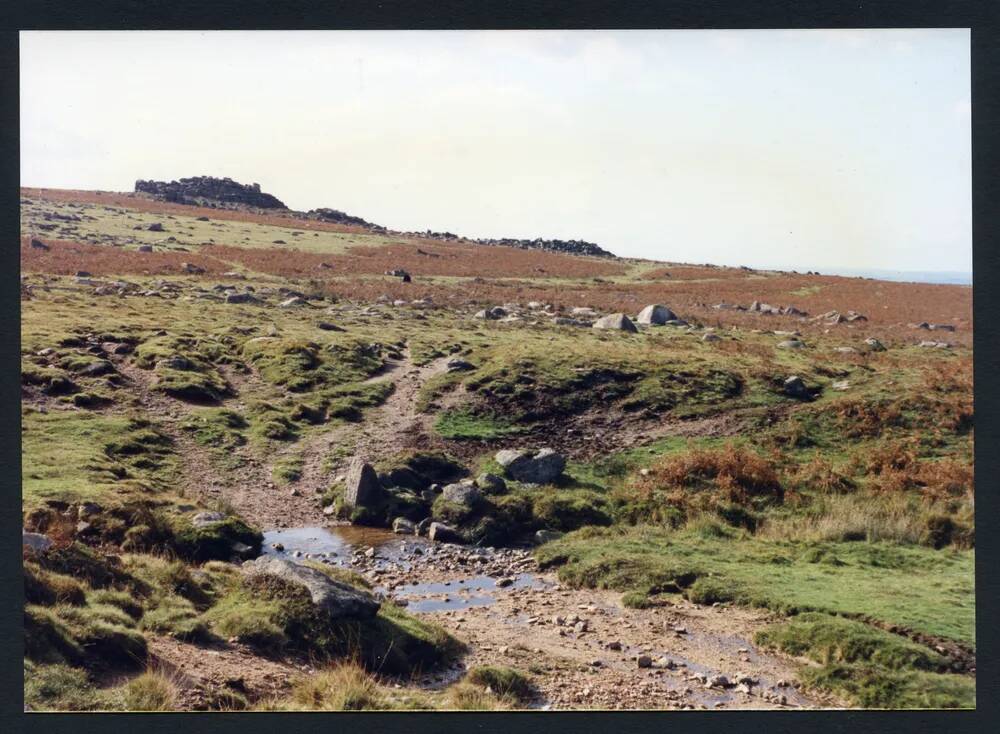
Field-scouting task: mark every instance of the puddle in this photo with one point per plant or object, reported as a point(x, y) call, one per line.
point(336, 545)
point(478, 591)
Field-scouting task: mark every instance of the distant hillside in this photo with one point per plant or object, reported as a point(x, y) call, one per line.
point(226, 193)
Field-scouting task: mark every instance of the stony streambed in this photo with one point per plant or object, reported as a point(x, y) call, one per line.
point(584, 648)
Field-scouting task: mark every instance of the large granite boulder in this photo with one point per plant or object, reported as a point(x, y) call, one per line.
point(616, 321)
point(337, 599)
point(656, 315)
point(361, 486)
point(543, 467)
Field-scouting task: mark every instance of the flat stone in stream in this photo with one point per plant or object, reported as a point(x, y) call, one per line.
point(337, 599)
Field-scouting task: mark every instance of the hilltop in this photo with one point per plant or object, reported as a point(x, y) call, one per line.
point(284, 462)
point(224, 192)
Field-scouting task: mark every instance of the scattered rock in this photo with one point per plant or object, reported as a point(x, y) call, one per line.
point(644, 661)
point(204, 519)
point(361, 486)
point(542, 468)
point(796, 388)
point(491, 484)
point(875, 344)
point(442, 533)
point(457, 364)
point(35, 542)
point(655, 315)
point(616, 321)
point(339, 600)
point(402, 526)
point(462, 493)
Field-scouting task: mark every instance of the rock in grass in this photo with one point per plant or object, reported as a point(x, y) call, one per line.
point(616, 321)
point(463, 493)
point(710, 337)
point(491, 484)
point(791, 344)
point(361, 486)
point(541, 468)
point(544, 536)
point(243, 298)
point(204, 519)
point(875, 344)
point(35, 542)
point(337, 599)
point(457, 364)
point(656, 315)
point(794, 387)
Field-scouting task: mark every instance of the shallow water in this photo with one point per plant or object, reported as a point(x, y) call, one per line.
point(462, 593)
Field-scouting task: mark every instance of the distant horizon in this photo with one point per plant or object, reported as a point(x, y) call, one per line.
point(937, 277)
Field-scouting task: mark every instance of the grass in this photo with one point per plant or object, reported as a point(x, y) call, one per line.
point(506, 683)
point(873, 668)
point(150, 691)
point(917, 588)
point(464, 424)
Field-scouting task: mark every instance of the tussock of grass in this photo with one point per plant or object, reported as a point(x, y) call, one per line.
point(150, 691)
point(505, 683)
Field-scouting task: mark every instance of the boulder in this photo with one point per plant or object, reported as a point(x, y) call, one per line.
point(402, 526)
point(875, 344)
point(335, 598)
point(462, 493)
point(655, 315)
point(544, 536)
point(145, 248)
point(327, 326)
point(616, 321)
point(361, 486)
point(541, 468)
point(710, 337)
point(243, 298)
point(155, 227)
point(442, 533)
point(794, 387)
point(405, 477)
point(491, 484)
point(35, 542)
point(457, 364)
point(204, 519)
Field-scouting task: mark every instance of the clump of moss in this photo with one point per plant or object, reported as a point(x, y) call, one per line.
point(214, 541)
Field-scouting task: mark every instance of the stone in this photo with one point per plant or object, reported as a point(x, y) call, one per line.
point(35, 542)
point(616, 321)
point(361, 485)
point(145, 248)
point(656, 315)
point(457, 364)
point(505, 582)
point(442, 533)
point(37, 244)
point(541, 468)
point(491, 484)
point(875, 344)
point(644, 661)
point(717, 681)
point(710, 337)
point(293, 302)
point(402, 526)
point(545, 536)
point(462, 493)
point(337, 599)
point(791, 344)
point(242, 551)
point(796, 388)
point(155, 227)
point(204, 519)
point(87, 509)
point(243, 298)
point(327, 326)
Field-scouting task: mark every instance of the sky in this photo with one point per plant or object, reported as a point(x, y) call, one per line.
point(802, 150)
